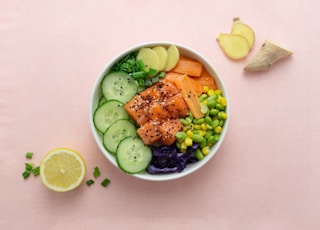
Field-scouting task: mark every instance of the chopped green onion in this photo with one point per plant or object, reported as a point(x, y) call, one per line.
point(148, 82)
point(140, 65)
point(141, 82)
point(36, 171)
point(28, 167)
point(138, 75)
point(105, 182)
point(29, 155)
point(152, 72)
point(26, 174)
point(162, 74)
point(155, 79)
point(89, 182)
point(96, 172)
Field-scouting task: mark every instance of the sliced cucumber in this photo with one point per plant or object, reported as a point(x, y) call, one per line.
point(133, 155)
point(119, 86)
point(102, 100)
point(107, 113)
point(116, 133)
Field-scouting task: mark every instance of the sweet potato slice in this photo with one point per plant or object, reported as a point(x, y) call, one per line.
point(188, 66)
point(206, 80)
point(190, 96)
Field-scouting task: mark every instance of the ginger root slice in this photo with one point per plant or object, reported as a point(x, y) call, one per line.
point(234, 46)
point(264, 59)
point(240, 28)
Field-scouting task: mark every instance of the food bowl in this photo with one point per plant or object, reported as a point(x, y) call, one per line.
point(96, 96)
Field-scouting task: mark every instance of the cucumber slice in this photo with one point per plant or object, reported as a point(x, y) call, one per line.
point(107, 113)
point(119, 86)
point(133, 155)
point(116, 133)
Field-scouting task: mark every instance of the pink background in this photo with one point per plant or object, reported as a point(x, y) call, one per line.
point(265, 176)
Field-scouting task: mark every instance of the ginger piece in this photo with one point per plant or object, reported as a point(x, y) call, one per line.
point(234, 46)
point(240, 28)
point(264, 59)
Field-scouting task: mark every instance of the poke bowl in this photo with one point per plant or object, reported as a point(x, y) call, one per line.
point(159, 111)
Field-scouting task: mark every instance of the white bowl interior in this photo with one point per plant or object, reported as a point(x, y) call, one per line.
point(96, 94)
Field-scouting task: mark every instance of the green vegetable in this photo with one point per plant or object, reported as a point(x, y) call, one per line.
point(105, 182)
point(26, 174)
point(36, 171)
point(96, 172)
point(28, 166)
point(206, 130)
point(89, 182)
point(29, 155)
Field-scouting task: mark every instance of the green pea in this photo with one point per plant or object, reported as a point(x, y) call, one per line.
point(184, 121)
point(208, 134)
point(199, 155)
point(219, 107)
point(188, 119)
point(213, 112)
point(216, 137)
point(198, 121)
point(203, 143)
point(208, 120)
point(212, 97)
point(215, 123)
point(181, 135)
point(221, 123)
point(197, 138)
point(211, 104)
point(203, 97)
point(211, 140)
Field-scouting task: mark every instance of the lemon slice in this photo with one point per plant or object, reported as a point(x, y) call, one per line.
point(62, 169)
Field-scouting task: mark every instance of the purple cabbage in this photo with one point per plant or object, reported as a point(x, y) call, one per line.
point(168, 159)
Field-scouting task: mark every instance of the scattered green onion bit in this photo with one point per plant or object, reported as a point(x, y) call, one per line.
point(105, 182)
point(36, 171)
point(26, 174)
point(89, 182)
point(29, 155)
point(29, 167)
point(96, 172)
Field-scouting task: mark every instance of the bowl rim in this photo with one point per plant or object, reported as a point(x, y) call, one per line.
point(185, 50)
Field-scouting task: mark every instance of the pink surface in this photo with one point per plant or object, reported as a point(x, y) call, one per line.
point(265, 176)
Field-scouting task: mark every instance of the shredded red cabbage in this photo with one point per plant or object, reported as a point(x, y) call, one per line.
point(168, 159)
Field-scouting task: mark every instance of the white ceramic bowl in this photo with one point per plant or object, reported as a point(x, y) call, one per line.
point(185, 51)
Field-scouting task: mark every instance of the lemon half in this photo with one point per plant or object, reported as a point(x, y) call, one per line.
point(62, 170)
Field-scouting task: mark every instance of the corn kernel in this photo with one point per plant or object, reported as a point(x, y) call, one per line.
point(183, 146)
point(202, 133)
point(223, 101)
point(218, 129)
point(224, 116)
point(205, 150)
point(218, 92)
point(197, 126)
point(210, 92)
point(188, 141)
point(203, 126)
point(205, 89)
point(189, 133)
